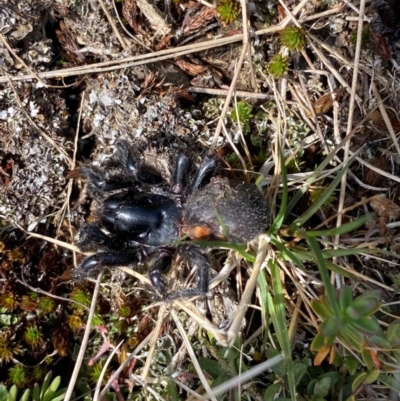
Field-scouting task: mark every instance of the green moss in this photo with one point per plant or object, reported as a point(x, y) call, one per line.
point(228, 11)
point(18, 375)
point(278, 66)
point(33, 336)
point(293, 38)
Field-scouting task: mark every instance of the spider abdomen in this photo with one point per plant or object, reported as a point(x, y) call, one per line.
point(226, 210)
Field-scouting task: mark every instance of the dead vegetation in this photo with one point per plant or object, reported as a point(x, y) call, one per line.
point(304, 92)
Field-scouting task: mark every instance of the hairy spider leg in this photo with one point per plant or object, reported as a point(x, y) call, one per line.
point(101, 181)
point(102, 259)
point(208, 167)
point(126, 157)
point(181, 173)
point(191, 254)
point(131, 173)
point(91, 237)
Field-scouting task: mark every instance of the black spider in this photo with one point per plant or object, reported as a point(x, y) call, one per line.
point(147, 216)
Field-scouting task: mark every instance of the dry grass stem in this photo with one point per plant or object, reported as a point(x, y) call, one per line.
point(85, 339)
point(197, 316)
point(232, 87)
point(223, 92)
point(15, 55)
point(153, 343)
point(113, 25)
point(385, 117)
point(104, 371)
point(193, 356)
point(235, 382)
point(154, 17)
point(248, 291)
point(133, 37)
point(50, 140)
point(124, 364)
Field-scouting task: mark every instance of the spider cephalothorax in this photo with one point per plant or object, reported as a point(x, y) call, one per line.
point(147, 217)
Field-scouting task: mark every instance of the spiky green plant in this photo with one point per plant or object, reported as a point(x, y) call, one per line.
point(38, 373)
point(8, 347)
point(228, 11)
point(242, 113)
point(9, 301)
point(278, 66)
point(18, 375)
point(33, 336)
point(95, 371)
point(293, 37)
point(124, 311)
point(82, 298)
point(46, 305)
point(316, 192)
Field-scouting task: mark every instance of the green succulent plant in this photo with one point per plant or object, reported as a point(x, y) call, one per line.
point(352, 324)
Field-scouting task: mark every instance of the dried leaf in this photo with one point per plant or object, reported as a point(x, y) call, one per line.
point(385, 208)
point(149, 82)
point(322, 354)
point(325, 102)
point(281, 13)
point(373, 178)
point(21, 30)
point(198, 20)
point(129, 12)
point(190, 68)
point(164, 42)
point(61, 338)
point(377, 119)
point(68, 42)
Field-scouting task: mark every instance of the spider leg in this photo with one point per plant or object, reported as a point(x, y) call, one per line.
point(102, 181)
point(127, 159)
point(208, 167)
point(91, 238)
point(159, 268)
point(193, 255)
point(101, 260)
point(131, 172)
point(182, 168)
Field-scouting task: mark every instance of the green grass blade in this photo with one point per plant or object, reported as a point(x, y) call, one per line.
point(314, 208)
point(276, 308)
point(3, 393)
point(315, 176)
point(45, 385)
point(329, 289)
point(262, 282)
point(25, 396)
point(286, 253)
point(343, 229)
point(276, 225)
point(331, 253)
point(323, 198)
point(240, 248)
